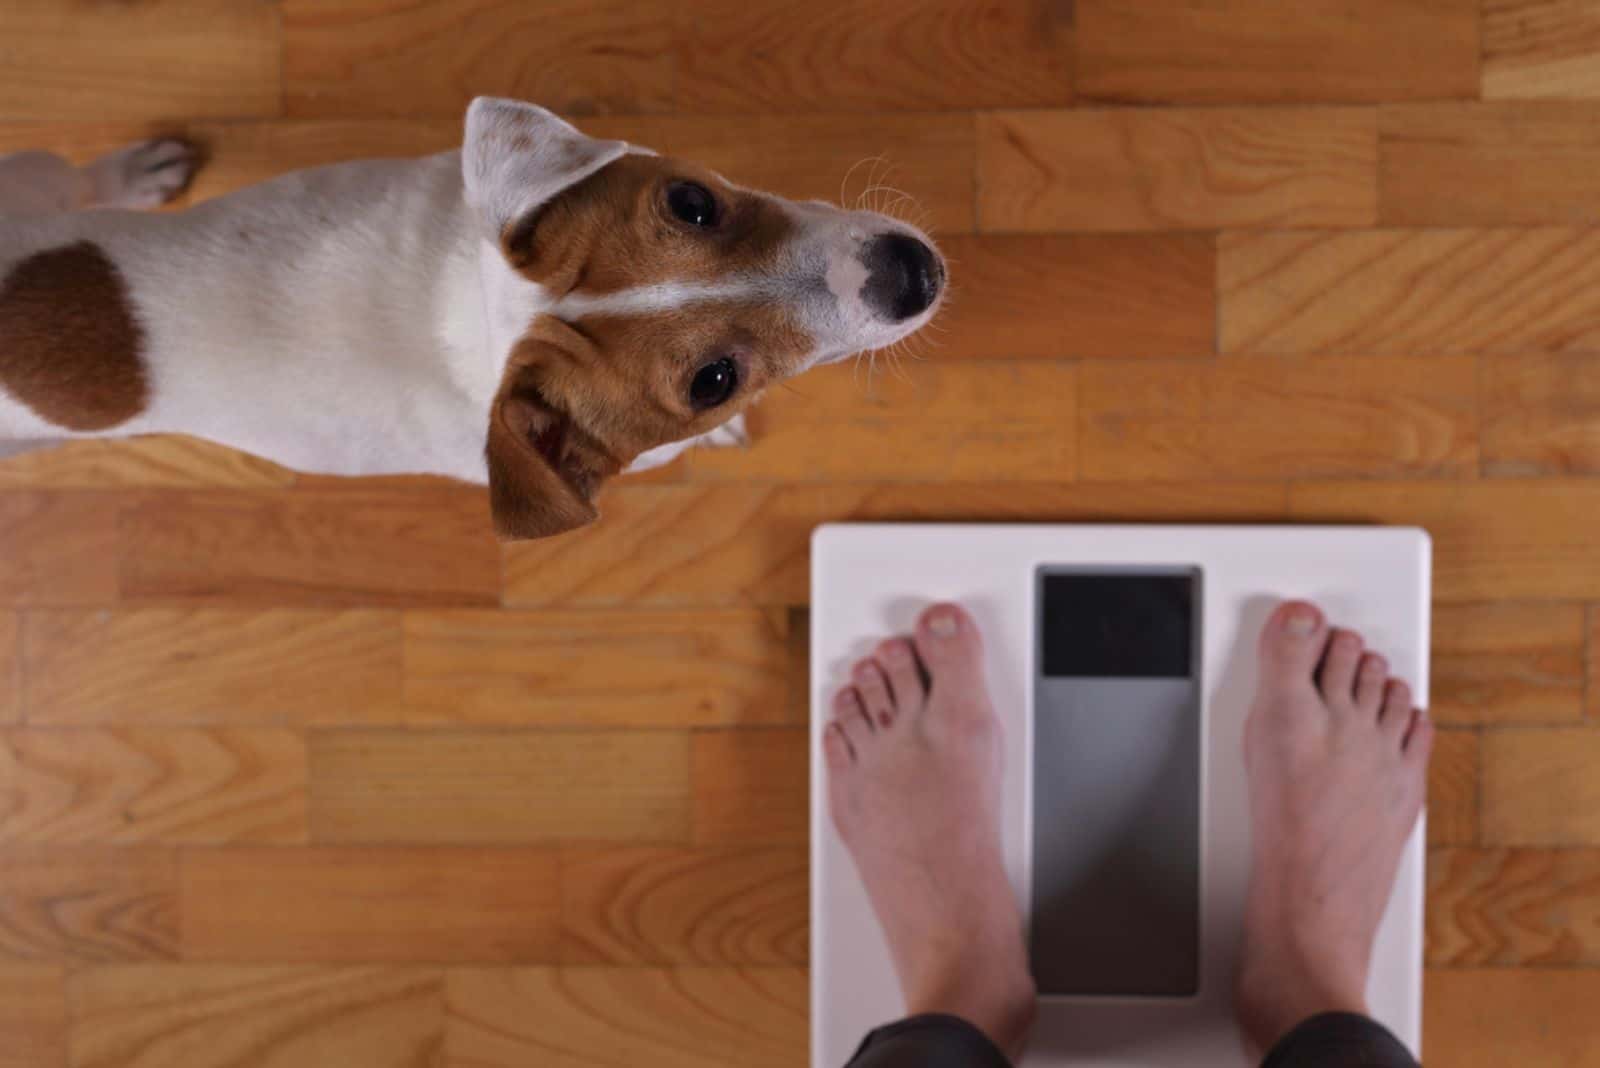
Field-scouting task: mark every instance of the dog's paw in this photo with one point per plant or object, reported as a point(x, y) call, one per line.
point(145, 175)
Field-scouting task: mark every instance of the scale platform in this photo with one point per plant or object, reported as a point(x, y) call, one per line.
point(1122, 660)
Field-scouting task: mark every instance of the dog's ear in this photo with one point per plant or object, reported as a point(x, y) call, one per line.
point(544, 469)
point(515, 157)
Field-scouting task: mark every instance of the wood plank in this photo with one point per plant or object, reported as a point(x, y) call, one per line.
point(1507, 662)
point(1539, 787)
point(158, 460)
point(211, 666)
point(1541, 415)
point(1092, 170)
point(1487, 1017)
point(750, 544)
point(913, 420)
point(835, 55)
point(1508, 907)
point(1540, 48)
point(153, 1016)
point(1410, 292)
point(620, 1017)
point(78, 904)
point(429, 59)
point(751, 786)
point(240, 154)
point(1492, 540)
point(137, 784)
point(33, 1017)
point(600, 669)
point(10, 668)
point(1030, 296)
point(343, 544)
point(84, 60)
point(1351, 416)
point(685, 906)
point(470, 787)
point(59, 548)
point(350, 906)
point(1475, 164)
point(1264, 52)
point(1453, 787)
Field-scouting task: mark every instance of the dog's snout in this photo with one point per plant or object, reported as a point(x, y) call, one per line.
point(904, 276)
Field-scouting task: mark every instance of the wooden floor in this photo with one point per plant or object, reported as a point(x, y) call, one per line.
point(311, 774)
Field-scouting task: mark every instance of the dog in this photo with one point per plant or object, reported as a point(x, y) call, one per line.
point(537, 311)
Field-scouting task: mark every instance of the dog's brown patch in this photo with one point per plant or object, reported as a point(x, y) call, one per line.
point(70, 346)
point(613, 231)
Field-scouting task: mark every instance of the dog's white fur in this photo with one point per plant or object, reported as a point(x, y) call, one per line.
point(356, 319)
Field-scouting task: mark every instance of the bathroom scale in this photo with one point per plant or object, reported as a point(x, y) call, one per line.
point(1121, 660)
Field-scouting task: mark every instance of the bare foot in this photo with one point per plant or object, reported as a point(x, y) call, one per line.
point(914, 760)
point(1337, 761)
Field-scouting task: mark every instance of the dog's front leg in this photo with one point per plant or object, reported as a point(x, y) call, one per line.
point(144, 175)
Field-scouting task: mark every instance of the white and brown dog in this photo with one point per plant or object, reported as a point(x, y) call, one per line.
point(538, 311)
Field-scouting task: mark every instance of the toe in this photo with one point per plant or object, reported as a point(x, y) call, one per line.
point(836, 749)
point(1370, 679)
point(876, 700)
point(947, 641)
point(1418, 745)
point(1337, 679)
point(1291, 644)
point(1395, 717)
point(849, 715)
point(899, 663)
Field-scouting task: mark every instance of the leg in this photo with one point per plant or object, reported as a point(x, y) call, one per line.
point(144, 175)
point(913, 757)
point(1337, 760)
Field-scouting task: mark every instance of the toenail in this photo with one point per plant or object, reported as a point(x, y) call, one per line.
point(943, 625)
point(1302, 621)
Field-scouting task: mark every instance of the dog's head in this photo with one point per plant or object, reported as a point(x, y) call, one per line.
point(635, 300)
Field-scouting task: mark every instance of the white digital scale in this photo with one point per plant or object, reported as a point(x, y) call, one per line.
point(1122, 662)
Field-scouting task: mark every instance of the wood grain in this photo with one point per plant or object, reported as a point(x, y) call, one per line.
point(1453, 787)
point(1539, 788)
point(59, 548)
point(240, 154)
point(1092, 170)
point(471, 787)
point(1260, 51)
point(1476, 164)
point(1492, 540)
point(211, 666)
point(1169, 420)
point(389, 57)
point(33, 1016)
point(88, 903)
point(1410, 292)
point(751, 786)
point(10, 664)
point(341, 543)
point(164, 460)
point(1507, 662)
point(580, 669)
point(750, 544)
point(1541, 415)
point(354, 906)
point(620, 1017)
point(835, 55)
point(1048, 297)
point(909, 420)
point(1486, 1017)
point(79, 60)
point(703, 906)
point(1509, 907)
point(154, 1016)
point(1540, 48)
point(137, 784)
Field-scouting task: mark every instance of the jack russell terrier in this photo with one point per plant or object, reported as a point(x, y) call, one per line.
point(537, 311)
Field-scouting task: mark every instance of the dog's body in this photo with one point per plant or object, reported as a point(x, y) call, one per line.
point(368, 318)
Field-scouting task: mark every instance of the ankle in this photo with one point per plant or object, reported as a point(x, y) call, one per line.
point(1269, 1006)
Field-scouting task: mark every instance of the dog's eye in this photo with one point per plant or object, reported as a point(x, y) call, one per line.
point(693, 203)
point(714, 383)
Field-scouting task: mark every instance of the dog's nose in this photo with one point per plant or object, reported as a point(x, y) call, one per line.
point(904, 276)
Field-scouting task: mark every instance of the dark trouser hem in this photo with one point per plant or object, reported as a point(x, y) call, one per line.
point(1339, 1040)
point(932, 1040)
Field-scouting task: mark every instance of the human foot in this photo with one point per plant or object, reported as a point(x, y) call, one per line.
point(1337, 763)
point(914, 758)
